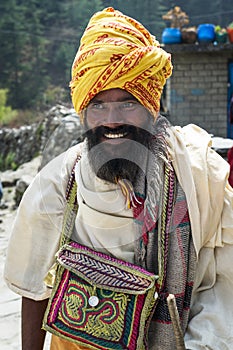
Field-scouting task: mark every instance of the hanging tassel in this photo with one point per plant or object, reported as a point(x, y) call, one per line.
point(128, 192)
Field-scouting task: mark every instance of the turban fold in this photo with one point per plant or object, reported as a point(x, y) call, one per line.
point(116, 51)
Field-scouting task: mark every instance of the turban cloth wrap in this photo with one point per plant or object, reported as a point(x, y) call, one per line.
point(117, 51)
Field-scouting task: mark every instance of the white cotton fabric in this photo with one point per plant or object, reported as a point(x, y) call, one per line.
point(103, 222)
point(202, 174)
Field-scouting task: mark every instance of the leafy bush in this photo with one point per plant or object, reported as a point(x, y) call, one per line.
point(55, 95)
point(6, 112)
point(8, 162)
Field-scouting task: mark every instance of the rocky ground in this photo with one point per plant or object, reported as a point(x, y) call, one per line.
point(10, 303)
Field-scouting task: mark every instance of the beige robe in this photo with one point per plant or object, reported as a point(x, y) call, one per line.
point(203, 176)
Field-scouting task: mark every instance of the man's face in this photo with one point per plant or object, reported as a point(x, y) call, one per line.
point(116, 126)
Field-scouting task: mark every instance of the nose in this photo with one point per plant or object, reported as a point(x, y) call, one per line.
point(113, 117)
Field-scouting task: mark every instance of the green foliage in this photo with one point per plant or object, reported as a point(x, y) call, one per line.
point(6, 112)
point(39, 132)
point(23, 55)
point(25, 117)
point(8, 162)
point(39, 38)
point(38, 44)
point(54, 95)
point(219, 29)
point(148, 12)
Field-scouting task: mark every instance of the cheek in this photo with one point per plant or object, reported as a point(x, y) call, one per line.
point(91, 123)
point(142, 120)
point(87, 126)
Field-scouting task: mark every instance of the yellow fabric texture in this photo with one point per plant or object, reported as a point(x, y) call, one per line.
point(116, 51)
point(58, 343)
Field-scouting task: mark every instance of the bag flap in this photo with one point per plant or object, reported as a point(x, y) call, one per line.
point(104, 271)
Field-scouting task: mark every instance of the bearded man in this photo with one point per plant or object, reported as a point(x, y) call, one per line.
point(137, 195)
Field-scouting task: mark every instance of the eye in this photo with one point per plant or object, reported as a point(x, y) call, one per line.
point(96, 106)
point(129, 105)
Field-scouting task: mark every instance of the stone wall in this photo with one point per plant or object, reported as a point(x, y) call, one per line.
point(54, 134)
point(19, 145)
point(197, 90)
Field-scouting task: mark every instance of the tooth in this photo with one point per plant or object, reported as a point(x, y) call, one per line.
point(114, 136)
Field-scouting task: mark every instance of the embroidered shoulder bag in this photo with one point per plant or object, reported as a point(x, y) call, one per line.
point(98, 301)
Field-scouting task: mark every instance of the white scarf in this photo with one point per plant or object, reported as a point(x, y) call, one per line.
point(103, 222)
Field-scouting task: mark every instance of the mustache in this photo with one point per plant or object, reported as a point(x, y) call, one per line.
point(121, 161)
point(124, 128)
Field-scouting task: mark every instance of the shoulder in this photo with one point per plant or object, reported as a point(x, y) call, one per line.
point(62, 164)
point(51, 181)
point(193, 135)
point(198, 144)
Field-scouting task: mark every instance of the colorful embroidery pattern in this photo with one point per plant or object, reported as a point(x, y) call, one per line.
point(120, 315)
point(104, 270)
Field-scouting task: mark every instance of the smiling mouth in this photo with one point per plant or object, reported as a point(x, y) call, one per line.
point(117, 135)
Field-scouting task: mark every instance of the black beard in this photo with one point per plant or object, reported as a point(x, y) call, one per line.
point(123, 161)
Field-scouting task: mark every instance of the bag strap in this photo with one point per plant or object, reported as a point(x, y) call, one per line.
point(71, 207)
point(68, 220)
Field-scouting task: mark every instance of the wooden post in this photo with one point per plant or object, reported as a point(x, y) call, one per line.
point(171, 302)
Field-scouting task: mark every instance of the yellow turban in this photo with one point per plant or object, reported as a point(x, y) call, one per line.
point(116, 51)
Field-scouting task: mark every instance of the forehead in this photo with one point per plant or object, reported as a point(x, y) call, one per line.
point(113, 95)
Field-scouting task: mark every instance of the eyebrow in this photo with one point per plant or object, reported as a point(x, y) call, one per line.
point(123, 99)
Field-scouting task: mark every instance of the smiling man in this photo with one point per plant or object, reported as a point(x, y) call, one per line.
point(138, 211)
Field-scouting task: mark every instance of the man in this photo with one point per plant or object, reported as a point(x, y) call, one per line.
point(132, 162)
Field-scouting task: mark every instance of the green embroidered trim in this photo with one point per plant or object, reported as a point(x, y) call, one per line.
point(164, 222)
